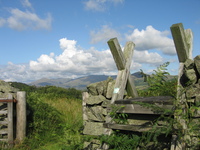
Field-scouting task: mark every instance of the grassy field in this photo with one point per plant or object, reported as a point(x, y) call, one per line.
point(55, 119)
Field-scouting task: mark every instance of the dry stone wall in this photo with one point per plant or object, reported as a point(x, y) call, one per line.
point(95, 102)
point(190, 80)
point(99, 95)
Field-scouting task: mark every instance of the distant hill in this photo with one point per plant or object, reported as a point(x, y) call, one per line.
point(82, 82)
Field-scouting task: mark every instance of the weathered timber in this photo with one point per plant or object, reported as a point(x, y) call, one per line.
point(123, 62)
point(138, 109)
point(3, 112)
point(21, 116)
point(117, 53)
point(10, 120)
point(4, 131)
point(183, 43)
point(3, 122)
point(126, 127)
point(180, 41)
point(152, 100)
point(123, 80)
point(189, 40)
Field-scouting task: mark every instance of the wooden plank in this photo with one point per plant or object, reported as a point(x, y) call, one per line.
point(130, 85)
point(126, 127)
point(122, 77)
point(3, 122)
point(10, 120)
point(117, 53)
point(151, 100)
point(138, 109)
point(21, 116)
point(3, 112)
point(189, 40)
point(123, 61)
point(4, 140)
point(180, 42)
point(131, 88)
point(4, 131)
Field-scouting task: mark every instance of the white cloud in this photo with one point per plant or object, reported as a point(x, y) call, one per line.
point(100, 5)
point(104, 34)
point(117, 1)
point(22, 20)
point(152, 39)
point(146, 57)
point(14, 72)
point(26, 3)
point(74, 62)
point(94, 5)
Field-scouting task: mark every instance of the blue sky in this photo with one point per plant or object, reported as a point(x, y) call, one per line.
point(68, 39)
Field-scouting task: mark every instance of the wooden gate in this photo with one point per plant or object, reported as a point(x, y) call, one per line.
point(13, 118)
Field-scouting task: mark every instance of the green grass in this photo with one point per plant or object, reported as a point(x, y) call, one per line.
point(54, 122)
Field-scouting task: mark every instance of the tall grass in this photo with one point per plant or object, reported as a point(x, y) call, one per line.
point(54, 123)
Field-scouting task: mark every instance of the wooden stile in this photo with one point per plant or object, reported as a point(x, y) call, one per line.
point(123, 62)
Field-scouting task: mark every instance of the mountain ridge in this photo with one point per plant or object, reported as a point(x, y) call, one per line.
point(78, 83)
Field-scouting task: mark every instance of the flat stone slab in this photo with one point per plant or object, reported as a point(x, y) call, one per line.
point(93, 128)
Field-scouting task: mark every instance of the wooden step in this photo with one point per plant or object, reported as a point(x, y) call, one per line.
point(4, 131)
point(3, 122)
point(3, 112)
point(126, 127)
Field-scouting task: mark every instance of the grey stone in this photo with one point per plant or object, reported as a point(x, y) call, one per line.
point(99, 88)
point(197, 100)
point(92, 100)
point(92, 89)
point(93, 128)
point(92, 145)
point(96, 113)
point(197, 63)
point(189, 64)
point(191, 76)
point(105, 103)
point(110, 89)
point(6, 88)
point(192, 91)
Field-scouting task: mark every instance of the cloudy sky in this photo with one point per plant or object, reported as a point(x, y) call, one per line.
point(68, 39)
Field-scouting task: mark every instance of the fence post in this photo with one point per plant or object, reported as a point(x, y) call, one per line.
point(10, 120)
point(123, 62)
point(183, 42)
point(21, 116)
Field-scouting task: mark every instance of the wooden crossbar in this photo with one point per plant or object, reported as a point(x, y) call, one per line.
point(124, 80)
point(123, 62)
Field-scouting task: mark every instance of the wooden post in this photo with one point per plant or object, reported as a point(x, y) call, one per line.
point(10, 120)
point(123, 62)
point(183, 43)
point(21, 116)
point(178, 34)
point(123, 80)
